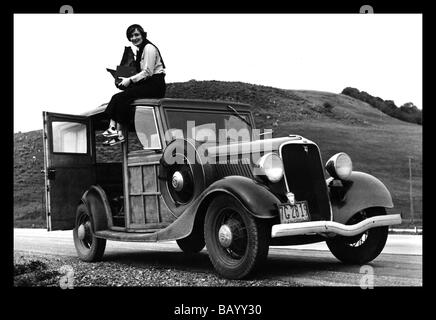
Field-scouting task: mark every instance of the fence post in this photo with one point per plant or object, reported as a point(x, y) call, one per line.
point(410, 191)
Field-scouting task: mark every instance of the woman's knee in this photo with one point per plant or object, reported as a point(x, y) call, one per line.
point(118, 96)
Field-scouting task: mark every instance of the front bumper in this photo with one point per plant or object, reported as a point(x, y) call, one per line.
point(330, 227)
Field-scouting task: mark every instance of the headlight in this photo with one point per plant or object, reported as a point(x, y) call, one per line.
point(271, 166)
point(339, 166)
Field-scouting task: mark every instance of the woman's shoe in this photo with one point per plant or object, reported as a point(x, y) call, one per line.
point(114, 141)
point(110, 132)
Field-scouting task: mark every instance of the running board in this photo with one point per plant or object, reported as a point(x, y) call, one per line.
point(329, 227)
point(127, 236)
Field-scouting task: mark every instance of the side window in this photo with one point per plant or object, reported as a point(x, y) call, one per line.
point(106, 154)
point(69, 137)
point(145, 133)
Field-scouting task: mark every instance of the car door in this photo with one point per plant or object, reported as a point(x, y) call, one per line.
point(68, 166)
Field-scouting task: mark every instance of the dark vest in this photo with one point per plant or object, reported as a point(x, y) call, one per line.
point(128, 58)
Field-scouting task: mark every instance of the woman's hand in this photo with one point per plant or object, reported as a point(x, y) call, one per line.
point(125, 82)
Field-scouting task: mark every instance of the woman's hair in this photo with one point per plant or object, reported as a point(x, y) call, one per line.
point(132, 28)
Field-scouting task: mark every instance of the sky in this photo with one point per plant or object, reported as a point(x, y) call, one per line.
point(60, 60)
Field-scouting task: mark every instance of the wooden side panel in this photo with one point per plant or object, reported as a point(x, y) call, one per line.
point(149, 180)
point(145, 198)
point(135, 180)
point(136, 201)
point(136, 210)
point(151, 211)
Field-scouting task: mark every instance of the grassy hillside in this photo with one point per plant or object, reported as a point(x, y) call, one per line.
point(407, 112)
point(28, 179)
point(377, 143)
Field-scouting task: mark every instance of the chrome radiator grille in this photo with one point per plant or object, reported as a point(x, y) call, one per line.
point(304, 174)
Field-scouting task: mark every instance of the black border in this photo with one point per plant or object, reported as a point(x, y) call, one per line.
point(300, 7)
point(161, 301)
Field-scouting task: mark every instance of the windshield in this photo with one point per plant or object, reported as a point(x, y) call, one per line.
point(208, 126)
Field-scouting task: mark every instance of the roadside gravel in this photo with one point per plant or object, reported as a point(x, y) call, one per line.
point(51, 271)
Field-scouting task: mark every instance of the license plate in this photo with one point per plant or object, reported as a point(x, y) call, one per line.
point(298, 212)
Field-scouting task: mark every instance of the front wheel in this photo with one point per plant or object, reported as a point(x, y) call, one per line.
point(237, 242)
point(89, 248)
point(364, 247)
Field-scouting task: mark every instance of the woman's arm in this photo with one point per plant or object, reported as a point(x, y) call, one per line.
point(148, 62)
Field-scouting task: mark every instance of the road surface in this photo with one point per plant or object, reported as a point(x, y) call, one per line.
point(400, 263)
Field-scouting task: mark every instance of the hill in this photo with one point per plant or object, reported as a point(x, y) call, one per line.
point(378, 143)
point(407, 112)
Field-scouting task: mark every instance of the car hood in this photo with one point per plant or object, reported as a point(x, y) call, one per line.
point(266, 145)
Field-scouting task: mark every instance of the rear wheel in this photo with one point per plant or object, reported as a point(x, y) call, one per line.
point(89, 247)
point(364, 247)
point(237, 242)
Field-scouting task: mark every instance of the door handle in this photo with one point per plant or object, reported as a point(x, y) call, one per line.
point(51, 174)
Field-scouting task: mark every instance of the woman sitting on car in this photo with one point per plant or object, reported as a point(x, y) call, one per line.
point(148, 82)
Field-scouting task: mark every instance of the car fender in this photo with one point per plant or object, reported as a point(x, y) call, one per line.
point(98, 206)
point(253, 196)
point(358, 192)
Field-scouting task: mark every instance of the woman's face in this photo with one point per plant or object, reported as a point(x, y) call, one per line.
point(136, 38)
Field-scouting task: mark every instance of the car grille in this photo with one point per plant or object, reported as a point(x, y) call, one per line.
point(305, 178)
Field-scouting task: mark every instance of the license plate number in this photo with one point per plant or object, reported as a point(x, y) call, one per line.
point(294, 213)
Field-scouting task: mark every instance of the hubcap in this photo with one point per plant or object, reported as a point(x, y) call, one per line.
point(83, 231)
point(225, 236)
point(177, 181)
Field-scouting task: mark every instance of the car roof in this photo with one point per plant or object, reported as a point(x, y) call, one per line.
point(179, 103)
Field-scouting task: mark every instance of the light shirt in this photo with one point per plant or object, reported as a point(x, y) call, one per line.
point(150, 64)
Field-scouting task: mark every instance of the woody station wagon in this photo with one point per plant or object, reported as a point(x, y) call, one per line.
point(198, 172)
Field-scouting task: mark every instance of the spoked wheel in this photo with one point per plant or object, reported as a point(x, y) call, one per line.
point(364, 247)
point(89, 248)
point(237, 243)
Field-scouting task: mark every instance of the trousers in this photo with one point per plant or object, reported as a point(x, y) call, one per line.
point(118, 108)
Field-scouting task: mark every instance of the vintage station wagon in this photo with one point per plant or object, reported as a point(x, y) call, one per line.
point(198, 172)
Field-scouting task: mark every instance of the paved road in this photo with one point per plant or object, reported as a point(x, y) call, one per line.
point(400, 263)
